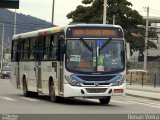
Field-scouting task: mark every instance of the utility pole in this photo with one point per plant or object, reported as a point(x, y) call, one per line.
point(15, 19)
point(2, 45)
point(52, 13)
point(105, 12)
point(146, 41)
point(114, 19)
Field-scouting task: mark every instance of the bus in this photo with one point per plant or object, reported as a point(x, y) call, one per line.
point(81, 60)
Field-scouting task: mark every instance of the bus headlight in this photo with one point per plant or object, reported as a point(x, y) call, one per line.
point(71, 81)
point(120, 81)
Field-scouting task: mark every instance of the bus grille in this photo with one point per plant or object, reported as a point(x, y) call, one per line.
point(96, 90)
point(94, 83)
point(96, 78)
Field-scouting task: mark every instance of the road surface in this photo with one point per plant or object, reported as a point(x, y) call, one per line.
point(13, 101)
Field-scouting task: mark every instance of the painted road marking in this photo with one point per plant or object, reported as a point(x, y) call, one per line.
point(7, 98)
point(126, 102)
point(30, 99)
point(146, 104)
point(24, 98)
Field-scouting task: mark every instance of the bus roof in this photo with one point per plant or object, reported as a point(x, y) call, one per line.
point(37, 32)
point(58, 29)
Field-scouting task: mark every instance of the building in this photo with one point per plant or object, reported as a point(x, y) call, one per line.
point(153, 54)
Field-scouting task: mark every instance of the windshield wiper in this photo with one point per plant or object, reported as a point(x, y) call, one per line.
point(85, 44)
point(105, 44)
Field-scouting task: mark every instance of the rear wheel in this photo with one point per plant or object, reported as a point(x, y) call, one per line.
point(2, 76)
point(26, 93)
point(105, 100)
point(53, 96)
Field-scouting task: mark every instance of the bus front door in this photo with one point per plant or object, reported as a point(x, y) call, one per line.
point(39, 58)
point(35, 76)
point(17, 71)
point(38, 77)
point(17, 75)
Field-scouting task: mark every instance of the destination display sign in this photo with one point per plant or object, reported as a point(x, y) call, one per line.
point(94, 32)
point(9, 4)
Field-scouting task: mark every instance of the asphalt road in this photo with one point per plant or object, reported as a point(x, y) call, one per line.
point(12, 101)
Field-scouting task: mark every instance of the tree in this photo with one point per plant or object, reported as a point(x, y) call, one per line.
point(130, 20)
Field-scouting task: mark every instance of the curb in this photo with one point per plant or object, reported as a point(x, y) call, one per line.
point(157, 99)
point(144, 90)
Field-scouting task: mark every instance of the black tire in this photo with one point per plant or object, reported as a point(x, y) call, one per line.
point(26, 93)
point(53, 97)
point(2, 76)
point(105, 100)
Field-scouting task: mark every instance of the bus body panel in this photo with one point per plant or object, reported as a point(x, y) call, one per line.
point(47, 72)
point(31, 76)
point(13, 74)
point(100, 90)
point(72, 91)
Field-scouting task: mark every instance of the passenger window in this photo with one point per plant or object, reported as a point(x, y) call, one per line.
point(40, 54)
point(50, 47)
point(14, 50)
point(21, 50)
point(32, 49)
point(46, 47)
point(26, 49)
point(53, 47)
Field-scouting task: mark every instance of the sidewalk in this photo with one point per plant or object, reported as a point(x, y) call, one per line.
point(146, 91)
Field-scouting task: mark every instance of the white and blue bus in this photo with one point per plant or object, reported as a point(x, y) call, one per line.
point(83, 60)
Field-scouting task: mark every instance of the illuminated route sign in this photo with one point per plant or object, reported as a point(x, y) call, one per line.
point(94, 32)
point(9, 4)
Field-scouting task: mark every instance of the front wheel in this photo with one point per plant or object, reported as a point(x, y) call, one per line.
point(105, 100)
point(2, 76)
point(53, 96)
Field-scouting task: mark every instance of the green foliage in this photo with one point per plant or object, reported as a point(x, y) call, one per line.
point(129, 19)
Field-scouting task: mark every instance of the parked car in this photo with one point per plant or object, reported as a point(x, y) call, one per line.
point(5, 72)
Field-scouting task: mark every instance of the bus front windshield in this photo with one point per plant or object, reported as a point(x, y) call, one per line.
point(92, 56)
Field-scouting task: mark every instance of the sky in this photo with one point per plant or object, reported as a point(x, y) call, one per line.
point(43, 8)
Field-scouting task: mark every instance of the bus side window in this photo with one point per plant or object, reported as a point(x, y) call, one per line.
point(26, 49)
point(14, 50)
point(21, 50)
point(32, 49)
point(46, 47)
point(53, 47)
point(40, 47)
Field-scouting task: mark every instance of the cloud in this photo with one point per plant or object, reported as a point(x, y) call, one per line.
point(43, 9)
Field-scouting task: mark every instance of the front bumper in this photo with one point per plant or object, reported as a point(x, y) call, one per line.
point(94, 92)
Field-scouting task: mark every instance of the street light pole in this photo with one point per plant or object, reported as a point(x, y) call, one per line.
point(15, 19)
point(105, 12)
point(114, 19)
point(146, 41)
point(2, 44)
point(52, 13)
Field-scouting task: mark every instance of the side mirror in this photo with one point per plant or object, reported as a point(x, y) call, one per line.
point(61, 37)
point(128, 51)
point(62, 47)
point(62, 52)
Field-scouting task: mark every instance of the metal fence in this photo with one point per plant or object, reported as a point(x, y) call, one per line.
point(152, 79)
